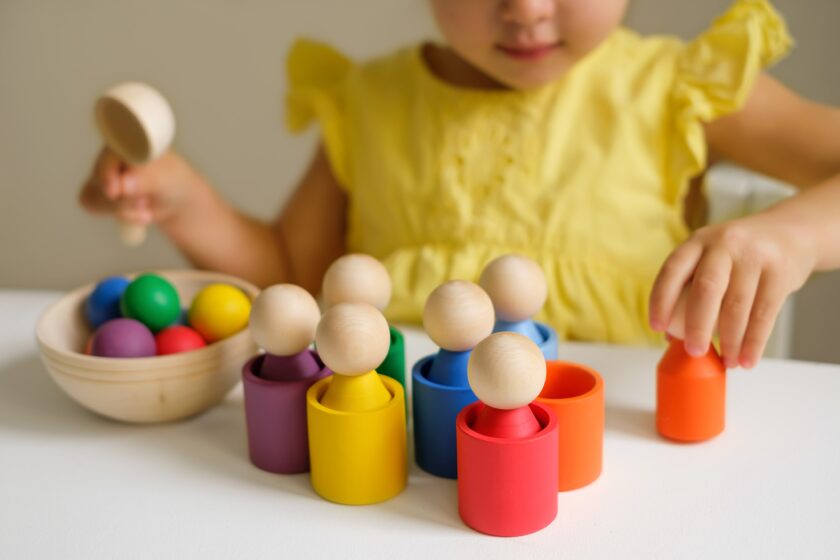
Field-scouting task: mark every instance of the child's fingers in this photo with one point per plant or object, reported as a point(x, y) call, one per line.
point(92, 198)
point(768, 302)
point(129, 183)
point(135, 210)
point(107, 172)
point(735, 312)
point(708, 286)
point(137, 182)
point(675, 273)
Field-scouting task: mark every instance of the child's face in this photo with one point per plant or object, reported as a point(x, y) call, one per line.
point(524, 44)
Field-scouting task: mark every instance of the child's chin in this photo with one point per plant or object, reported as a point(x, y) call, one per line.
point(525, 76)
point(531, 80)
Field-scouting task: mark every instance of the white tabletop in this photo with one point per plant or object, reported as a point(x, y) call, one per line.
point(74, 485)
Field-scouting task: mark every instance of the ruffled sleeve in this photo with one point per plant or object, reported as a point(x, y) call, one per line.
point(317, 78)
point(715, 74)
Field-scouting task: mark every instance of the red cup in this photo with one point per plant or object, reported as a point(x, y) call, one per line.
point(507, 487)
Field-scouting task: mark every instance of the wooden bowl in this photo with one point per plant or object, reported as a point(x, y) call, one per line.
point(142, 390)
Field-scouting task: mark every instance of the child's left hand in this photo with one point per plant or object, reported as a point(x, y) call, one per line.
point(734, 276)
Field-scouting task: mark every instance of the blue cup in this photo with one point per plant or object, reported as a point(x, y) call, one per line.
point(436, 406)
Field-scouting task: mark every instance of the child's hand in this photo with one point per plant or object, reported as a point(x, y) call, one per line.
point(733, 276)
point(139, 195)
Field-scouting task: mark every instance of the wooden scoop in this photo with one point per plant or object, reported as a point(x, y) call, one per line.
point(136, 123)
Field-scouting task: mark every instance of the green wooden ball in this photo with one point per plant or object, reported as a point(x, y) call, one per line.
point(152, 300)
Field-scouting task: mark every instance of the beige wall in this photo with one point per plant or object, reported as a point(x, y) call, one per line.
point(221, 64)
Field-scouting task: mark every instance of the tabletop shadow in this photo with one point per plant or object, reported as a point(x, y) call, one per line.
point(217, 441)
point(428, 499)
point(632, 421)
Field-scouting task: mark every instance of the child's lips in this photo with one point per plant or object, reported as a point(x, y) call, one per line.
point(528, 52)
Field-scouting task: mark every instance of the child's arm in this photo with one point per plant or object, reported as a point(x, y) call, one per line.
point(738, 274)
point(297, 247)
point(313, 225)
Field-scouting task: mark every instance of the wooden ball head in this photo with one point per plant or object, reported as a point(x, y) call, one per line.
point(516, 285)
point(352, 340)
point(283, 319)
point(506, 371)
point(136, 123)
point(357, 278)
point(458, 315)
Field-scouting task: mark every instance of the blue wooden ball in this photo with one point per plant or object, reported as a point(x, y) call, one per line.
point(103, 304)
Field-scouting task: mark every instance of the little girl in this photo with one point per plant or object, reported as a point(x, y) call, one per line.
point(543, 128)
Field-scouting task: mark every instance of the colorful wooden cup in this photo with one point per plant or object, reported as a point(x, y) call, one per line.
point(575, 393)
point(507, 487)
point(690, 394)
point(357, 457)
point(275, 417)
point(436, 406)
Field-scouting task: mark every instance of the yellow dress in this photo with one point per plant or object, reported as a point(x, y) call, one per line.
point(586, 175)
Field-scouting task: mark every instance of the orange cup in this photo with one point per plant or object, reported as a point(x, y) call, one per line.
point(576, 395)
point(690, 394)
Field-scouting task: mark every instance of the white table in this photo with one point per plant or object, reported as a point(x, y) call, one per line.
point(73, 485)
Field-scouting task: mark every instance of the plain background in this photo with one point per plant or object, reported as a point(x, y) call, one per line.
point(221, 64)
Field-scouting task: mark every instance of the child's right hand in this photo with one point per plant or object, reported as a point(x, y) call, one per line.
point(141, 195)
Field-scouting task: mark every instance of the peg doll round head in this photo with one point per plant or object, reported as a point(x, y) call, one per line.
point(516, 285)
point(506, 371)
point(357, 278)
point(352, 338)
point(458, 315)
point(283, 319)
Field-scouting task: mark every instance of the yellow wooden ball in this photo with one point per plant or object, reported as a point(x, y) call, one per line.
point(218, 311)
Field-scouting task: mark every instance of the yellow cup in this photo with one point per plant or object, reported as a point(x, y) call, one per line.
point(357, 458)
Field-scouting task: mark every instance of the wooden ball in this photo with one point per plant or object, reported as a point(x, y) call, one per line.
point(506, 370)
point(283, 319)
point(353, 338)
point(357, 278)
point(218, 311)
point(458, 315)
point(516, 285)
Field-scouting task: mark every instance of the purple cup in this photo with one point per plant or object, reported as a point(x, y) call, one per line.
point(275, 414)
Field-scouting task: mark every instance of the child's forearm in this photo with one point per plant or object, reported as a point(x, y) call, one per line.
point(213, 235)
point(816, 212)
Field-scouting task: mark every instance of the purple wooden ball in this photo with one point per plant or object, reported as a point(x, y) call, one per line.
point(123, 338)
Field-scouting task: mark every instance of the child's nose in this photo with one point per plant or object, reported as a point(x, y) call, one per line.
point(526, 12)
